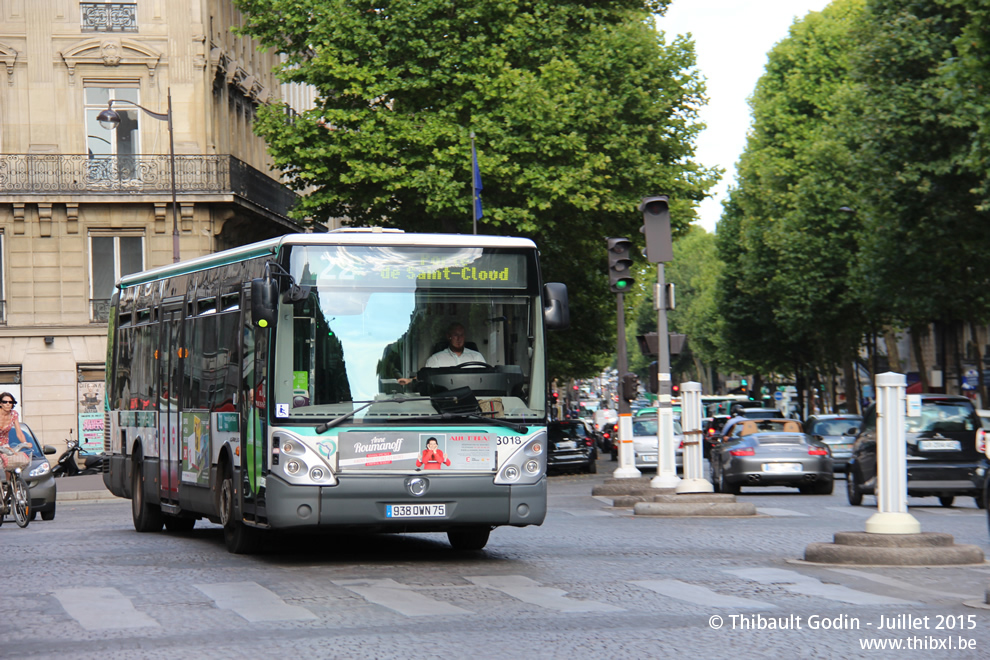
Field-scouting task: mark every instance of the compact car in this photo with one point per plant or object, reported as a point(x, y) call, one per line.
point(838, 432)
point(772, 452)
point(41, 482)
point(645, 442)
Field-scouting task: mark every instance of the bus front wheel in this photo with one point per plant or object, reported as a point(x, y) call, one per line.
point(468, 538)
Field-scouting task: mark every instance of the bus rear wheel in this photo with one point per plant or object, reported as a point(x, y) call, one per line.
point(147, 517)
point(240, 538)
point(468, 538)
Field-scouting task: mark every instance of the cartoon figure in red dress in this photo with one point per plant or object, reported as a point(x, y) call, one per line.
point(432, 457)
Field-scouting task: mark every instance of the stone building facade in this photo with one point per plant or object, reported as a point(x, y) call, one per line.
point(81, 205)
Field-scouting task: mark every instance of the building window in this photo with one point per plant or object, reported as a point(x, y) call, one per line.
point(106, 16)
point(112, 152)
point(111, 257)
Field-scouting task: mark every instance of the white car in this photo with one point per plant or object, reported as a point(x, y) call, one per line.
point(645, 442)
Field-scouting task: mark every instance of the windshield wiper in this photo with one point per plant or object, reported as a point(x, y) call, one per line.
point(337, 421)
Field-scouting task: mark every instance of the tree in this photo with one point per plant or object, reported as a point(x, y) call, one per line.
point(926, 224)
point(790, 302)
point(578, 108)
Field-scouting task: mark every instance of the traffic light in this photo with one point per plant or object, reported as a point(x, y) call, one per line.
point(620, 262)
point(630, 386)
point(656, 227)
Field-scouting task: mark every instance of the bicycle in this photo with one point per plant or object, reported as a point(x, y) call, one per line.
point(14, 494)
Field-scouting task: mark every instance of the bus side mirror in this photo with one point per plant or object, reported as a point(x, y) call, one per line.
point(556, 312)
point(264, 301)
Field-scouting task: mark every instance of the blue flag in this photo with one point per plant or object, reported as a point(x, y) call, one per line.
point(476, 184)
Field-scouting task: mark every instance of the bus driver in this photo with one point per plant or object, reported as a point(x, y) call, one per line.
point(454, 354)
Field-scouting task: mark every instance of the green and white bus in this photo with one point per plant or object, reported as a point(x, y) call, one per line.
point(282, 386)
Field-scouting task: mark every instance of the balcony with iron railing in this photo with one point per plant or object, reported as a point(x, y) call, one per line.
point(80, 174)
point(108, 16)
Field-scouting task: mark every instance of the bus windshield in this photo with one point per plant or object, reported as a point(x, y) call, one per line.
point(396, 325)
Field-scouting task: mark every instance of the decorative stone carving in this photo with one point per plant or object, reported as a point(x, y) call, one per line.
point(111, 52)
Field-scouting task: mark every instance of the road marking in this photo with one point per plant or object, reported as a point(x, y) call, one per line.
point(900, 584)
point(697, 595)
point(102, 608)
point(942, 511)
point(398, 597)
point(796, 583)
point(585, 513)
point(529, 591)
point(858, 511)
point(767, 511)
point(253, 602)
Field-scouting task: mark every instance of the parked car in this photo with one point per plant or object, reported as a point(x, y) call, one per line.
point(645, 442)
point(838, 432)
point(571, 446)
point(985, 418)
point(943, 458)
point(772, 452)
point(41, 482)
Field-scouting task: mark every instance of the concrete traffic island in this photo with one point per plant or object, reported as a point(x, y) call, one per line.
point(893, 536)
point(866, 548)
point(634, 487)
point(694, 504)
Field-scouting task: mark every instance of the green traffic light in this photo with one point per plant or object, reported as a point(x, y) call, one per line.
point(622, 284)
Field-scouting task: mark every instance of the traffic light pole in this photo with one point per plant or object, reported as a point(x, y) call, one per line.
point(666, 458)
point(627, 459)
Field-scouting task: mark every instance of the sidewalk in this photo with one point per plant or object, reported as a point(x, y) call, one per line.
point(82, 487)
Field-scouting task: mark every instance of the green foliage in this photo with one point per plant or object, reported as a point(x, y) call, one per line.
point(579, 109)
point(785, 290)
point(926, 225)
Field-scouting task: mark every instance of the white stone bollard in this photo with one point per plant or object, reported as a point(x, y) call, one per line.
point(891, 516)
point(693, 453)
point(666, 457)
point(627, 458)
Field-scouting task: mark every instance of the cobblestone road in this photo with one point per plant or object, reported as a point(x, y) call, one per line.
point(591, 582)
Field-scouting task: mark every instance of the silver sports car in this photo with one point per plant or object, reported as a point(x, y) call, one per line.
point(772, 454)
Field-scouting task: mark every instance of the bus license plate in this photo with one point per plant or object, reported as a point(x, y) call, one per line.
point(415, 510)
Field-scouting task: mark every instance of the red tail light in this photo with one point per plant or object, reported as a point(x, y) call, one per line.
point(589, 442)
point(981, 441)
point(748, 451)
point(711, 431)
point(817, 451)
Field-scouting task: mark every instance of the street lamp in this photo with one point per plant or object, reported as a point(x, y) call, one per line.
point(110, 120)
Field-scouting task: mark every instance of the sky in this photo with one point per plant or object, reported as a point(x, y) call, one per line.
point(732, 39)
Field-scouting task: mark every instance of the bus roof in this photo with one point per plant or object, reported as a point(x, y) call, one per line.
point(346, 236)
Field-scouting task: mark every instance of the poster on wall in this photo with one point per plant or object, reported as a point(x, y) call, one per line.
point(91, 420)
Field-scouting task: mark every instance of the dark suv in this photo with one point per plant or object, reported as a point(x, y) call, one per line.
point(942, 456)
point(569, 445)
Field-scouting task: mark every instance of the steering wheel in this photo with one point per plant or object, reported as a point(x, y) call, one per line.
point(474, 364)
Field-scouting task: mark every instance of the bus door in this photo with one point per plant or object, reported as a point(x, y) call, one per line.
point(254, 422)
point(170, 360)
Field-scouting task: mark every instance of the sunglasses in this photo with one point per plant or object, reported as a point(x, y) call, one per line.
point(7, 401)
